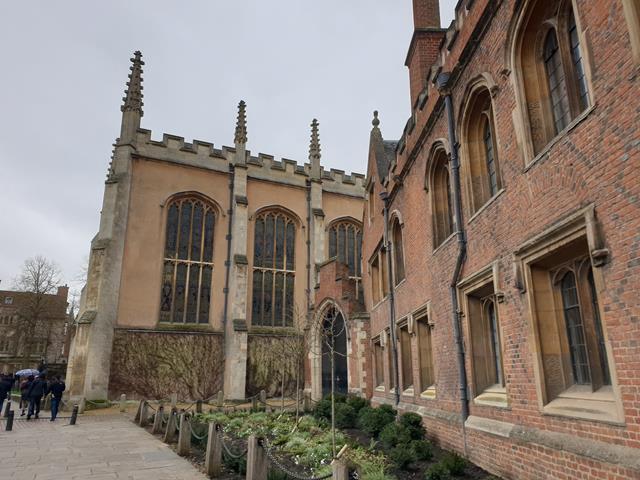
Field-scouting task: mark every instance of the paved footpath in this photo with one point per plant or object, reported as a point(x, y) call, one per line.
point(96, 448)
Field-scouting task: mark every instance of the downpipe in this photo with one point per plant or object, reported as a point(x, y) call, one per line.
point(392, 303)
point(443, 87)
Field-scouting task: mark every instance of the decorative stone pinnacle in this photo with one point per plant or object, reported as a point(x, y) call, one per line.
point(133, 92)
point(314, 146)
point(241, 124)
point(375, 122)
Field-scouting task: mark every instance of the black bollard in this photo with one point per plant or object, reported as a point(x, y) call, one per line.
point(9, 426)
point(74, 415)
point(7, 408)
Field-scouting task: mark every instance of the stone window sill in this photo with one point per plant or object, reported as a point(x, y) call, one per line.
point(493, 396)
point(380, 388)
point(409, 392)
point(545, 150)
point(429, 393)
point(579, 401)
point(485, 206)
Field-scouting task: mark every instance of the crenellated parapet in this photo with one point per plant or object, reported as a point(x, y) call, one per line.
point(206, 155)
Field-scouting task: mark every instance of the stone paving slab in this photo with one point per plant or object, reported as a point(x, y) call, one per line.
point(97, 448)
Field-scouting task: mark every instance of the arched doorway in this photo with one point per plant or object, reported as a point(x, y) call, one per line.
point(333, 338)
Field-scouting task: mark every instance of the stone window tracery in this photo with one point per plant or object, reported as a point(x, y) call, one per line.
point(345, 244)
point(273, 270)
point(188, 261)
point(442, 205)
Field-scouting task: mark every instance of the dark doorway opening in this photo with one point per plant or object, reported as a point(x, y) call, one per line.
point(334, 339)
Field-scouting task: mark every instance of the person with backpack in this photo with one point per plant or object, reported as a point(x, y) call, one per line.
point(56, 388)
point(37, 390)
point(25, 385)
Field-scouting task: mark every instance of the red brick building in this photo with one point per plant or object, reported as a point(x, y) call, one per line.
point(501, 244)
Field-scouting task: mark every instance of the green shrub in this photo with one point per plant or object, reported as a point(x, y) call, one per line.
point(402, 456)
point(373, 420)
point(395, 434)
point(422, 449)
point(388, 410)
point(323, 407)
point(454, 463)
point(345, 416)
point(413, 423)
point(437, 471)
point(357, 403)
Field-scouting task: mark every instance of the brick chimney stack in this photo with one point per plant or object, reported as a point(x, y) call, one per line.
point(423, 49)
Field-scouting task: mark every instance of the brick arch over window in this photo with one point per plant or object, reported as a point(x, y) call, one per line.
point(185, 295)
point(272, 302)
point(345, 243)
point(481, 170)
point(438, 185)
point(547, 56)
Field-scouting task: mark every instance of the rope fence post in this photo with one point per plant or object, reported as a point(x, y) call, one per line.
point(144, 414)
point(170, 432)
point(157, 420)
point(254, 404)
point(136, 419)
point(213, 456)
point(306, 404)
point(174, 400)
point(123, 403)
point(82, 406)
point(257, 462)
point(220, 399)
point(263, 397)
point(74, 415)
point(9, 426)
point(7, 409)
point(198, 406)
point(184, 436)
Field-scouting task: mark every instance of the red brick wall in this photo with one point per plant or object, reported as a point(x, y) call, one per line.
point(596, 162)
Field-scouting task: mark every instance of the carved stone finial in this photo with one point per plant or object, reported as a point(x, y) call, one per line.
point(375, 122)
point(133, 93)
point(241, 124)
point(314, 146)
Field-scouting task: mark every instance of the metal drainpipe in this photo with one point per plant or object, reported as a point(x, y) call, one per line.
point(228, 262)
point(392, 304)
point(442, 82)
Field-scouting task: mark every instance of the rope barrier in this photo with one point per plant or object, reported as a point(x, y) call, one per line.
point(274, 460)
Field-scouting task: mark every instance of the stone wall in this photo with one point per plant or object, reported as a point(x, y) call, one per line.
point(154, 364)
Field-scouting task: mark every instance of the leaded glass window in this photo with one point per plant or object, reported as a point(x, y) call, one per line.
point(345, 244)
point(489, 152)
point(398, 253)
point(556, 82)
point(578, 66)
point(188, 261)
point(273, 270)
point(575, 329)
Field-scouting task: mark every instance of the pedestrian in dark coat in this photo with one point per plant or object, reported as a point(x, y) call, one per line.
point(6, 382)
point(56, 388)
point(37, 390)
point(24, 393)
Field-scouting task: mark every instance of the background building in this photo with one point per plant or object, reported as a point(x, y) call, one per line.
point(203, 272)
point(24, 341)
point(501, 254)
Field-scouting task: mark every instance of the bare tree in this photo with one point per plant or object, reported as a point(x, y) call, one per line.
point(39, 277)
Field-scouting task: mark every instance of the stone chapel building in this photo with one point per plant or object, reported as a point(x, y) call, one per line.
point(501, 239)
point(205, 263)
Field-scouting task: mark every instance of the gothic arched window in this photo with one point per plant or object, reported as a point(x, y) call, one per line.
point(398, 252)
point(551, 70)
point(345, 244)
point(441, 199)
point(273, 270)
point(188, 261)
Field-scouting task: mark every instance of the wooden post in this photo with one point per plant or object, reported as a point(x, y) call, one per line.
point(198, 406)
point(254, 404)
point(83, 405)
point(136, 419)
point(184, 437)
point(213, 456)
point(263, 396)
point(74, 415)
point(123, 403)
point(306, 405)
point(340, 469)
point(220, 399)
point(157, 421)
point(174, 400)
point(144, 414)
point(170, 432)
point(257, 461)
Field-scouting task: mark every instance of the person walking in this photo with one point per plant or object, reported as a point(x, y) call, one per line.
point(6, 382)
point(25, 385)
point(37, 390)
point(56, 388)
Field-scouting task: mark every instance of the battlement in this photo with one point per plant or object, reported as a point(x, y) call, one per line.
point(201, 154)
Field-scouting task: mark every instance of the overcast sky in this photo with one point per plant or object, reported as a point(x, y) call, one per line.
point(65, 65)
